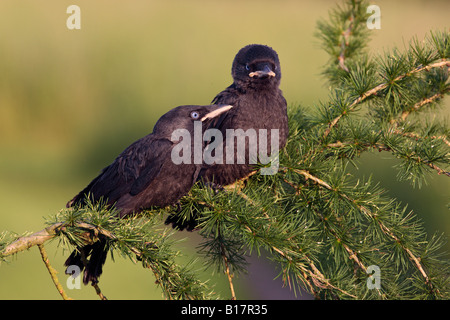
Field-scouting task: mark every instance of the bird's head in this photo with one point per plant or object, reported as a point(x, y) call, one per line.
point(184, 117)
point(256, 65)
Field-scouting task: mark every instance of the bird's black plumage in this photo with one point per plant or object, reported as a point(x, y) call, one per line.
point(258, 103)
point(144, 175)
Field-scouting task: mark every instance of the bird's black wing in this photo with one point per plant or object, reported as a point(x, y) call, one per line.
point(227, 96)
point(130, 172)
point(150, 165)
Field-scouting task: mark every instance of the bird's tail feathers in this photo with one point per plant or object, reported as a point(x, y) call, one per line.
point(89, 258)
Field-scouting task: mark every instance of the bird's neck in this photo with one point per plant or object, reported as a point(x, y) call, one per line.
point(270, 88)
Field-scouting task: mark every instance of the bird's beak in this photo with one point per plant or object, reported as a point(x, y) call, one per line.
point(216, 112)
point(266, 72)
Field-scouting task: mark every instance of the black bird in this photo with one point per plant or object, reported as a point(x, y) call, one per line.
point(258, 103)
point(144, 175)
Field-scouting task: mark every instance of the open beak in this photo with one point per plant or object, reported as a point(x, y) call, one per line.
point(216, 112)
point(265, 73)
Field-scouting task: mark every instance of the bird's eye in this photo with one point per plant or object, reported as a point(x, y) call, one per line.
point(195, 115)
point(247, 67)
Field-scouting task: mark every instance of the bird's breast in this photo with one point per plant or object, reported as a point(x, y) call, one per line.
point(265, 111)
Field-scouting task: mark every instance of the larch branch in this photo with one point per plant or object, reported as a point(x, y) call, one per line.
point(373, 91)
point(344, 43)
point(52, 272)
point(383, 227)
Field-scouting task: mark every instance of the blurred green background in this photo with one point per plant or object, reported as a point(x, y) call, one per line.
point(72, 100)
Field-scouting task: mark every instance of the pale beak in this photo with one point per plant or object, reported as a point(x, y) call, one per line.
point(266, 72)
point(216, 112)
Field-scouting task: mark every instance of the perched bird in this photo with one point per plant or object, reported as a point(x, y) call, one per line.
point(258, 103)
point(145, 175)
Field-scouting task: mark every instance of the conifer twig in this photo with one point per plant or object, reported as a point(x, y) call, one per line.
point(98, 291)
point(227, 272)
point(417, 136)
point(383, 227)
point(373, 91)
point(37, 238)
point(52, 272)
point(420, 104)
point(344, 43)
point(317, 277)
point(383, 147)
point(40, 237)
point(94, 285)
point(308, 175)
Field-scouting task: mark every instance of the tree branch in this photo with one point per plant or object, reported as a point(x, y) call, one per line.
point(37, 238)
point(369, 214)
point(420, 104)
point(373, 91)
point(52, 272)
point(227, 272)
point(315, 275)
point(345, 42)
point(40, 237)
